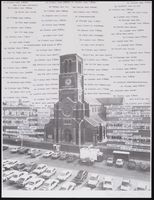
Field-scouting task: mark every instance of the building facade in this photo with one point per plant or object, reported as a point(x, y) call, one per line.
point(72, 122)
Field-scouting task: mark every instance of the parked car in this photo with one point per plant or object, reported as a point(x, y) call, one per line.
point(119, 162)
point(63, 156)
point(71, 158)
point(25, 179)
point(107, 183)
point(19, 166)
point(16, 177)
point(15, 149)
point(84, 188)
point(47, 154)
point(5, 147)
point(68, 186)
point(64, 175)
point(36, 153)
point(55, 155)
point(48, 173)
point(11, 164)
point(80, 177)
point(30, 167)
point(144, 166)
point(30, 151)
point(125, 185)
point(93, 180)
point(23, 150)
point(131, 164)
point(141, 187)
point(110, 161)
point(8, 174)
point(34, 183)
point(40, 169)
point(50, 184)
point(86, 161)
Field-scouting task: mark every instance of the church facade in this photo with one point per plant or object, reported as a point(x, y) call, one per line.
point(72, 122)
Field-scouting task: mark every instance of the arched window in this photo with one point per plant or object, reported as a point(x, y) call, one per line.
point(65, 66)
point(79, 67)
point(70, 66)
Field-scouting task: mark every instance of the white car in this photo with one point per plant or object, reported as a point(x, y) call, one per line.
point(85, 188)
point(141, 186)
point(16, 177)
point(125, 185)
point(14, 149)
point(48, 173)
point(8, 174)
point(47, 154)
point(34, 184)
point(93, 180)
point(11, 164)
point(50, 184)
point(25, 179)
point(107, 183)
point(119, 162)
point(64, 175)
point(68, 186)
point(40, 169)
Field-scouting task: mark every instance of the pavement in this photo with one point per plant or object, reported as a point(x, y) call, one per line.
point(99, 167)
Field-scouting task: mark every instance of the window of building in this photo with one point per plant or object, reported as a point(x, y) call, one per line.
point(65, 66)
point(70, 66)
point(79, 67)
point(67, 121)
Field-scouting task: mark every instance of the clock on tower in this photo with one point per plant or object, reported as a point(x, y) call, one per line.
point(71, 78)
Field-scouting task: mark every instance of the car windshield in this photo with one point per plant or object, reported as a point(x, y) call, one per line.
point(125, 183)
point(53, 182)
point(79, 174)
point(93, 178)
point(107, 182)
point(21, 179)
point(31, 183)
point(110, 159)
point(48, 171)
point(15, 176)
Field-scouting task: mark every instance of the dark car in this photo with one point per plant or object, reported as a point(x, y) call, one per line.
point(86, 161)
point(36, 153)
point(131, 164)
point(80, 177)
point(5, 147)
point(23, 150)
point(30, 167)
point(19, 166)
point(71, 158)
point(144, 166)
point(63, 156)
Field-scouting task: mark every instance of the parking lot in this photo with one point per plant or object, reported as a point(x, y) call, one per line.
point(99, 168)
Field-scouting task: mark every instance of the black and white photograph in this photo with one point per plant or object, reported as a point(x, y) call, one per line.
point(76, 99)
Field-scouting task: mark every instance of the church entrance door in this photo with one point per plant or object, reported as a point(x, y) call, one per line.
point(67, 136)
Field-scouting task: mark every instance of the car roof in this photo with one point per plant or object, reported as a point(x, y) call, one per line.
point(126, 180)
point(41, 165)
point(52, 180)
point(108, 178)
point(66, 184)
point(93, 175)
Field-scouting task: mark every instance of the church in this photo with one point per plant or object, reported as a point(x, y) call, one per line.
point(75, 121)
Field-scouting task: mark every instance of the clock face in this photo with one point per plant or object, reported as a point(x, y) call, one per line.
point(68, 81)
point(67, 109)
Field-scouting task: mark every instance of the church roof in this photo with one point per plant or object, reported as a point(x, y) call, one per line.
point(95, 120)
point(92, 101)
point(111, 101)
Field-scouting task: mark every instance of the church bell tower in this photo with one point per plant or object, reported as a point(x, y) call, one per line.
point(71, 108)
